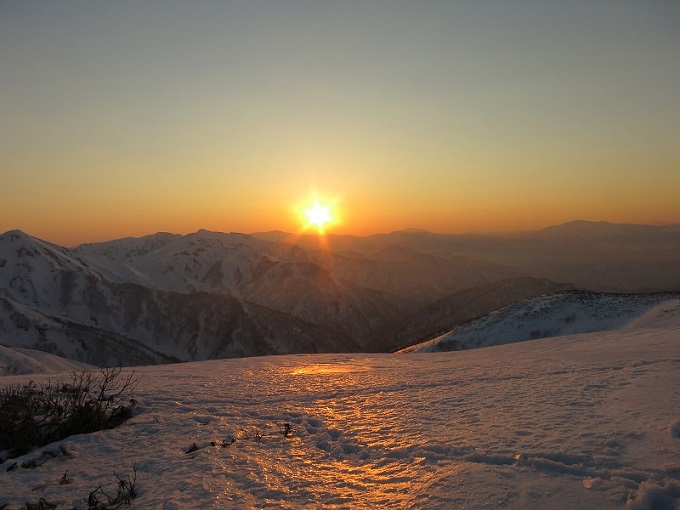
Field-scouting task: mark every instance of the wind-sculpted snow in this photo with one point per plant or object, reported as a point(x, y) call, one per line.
point(586, 421)
point(28, 361)
point(561, 313)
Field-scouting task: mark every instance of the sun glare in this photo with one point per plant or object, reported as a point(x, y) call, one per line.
point(318, 215)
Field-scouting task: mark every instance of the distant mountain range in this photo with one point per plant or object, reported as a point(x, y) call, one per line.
point(168, 297)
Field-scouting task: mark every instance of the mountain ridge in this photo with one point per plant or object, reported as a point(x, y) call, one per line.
point(568, 312)
point(184, 297)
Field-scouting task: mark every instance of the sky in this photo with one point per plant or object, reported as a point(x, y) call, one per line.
point(126, 118)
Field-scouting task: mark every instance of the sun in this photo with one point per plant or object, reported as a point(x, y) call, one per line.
point(318, 215)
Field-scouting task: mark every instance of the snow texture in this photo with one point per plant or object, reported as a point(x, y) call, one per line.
point(579, 421)
point(561, 313)
point(29, 361)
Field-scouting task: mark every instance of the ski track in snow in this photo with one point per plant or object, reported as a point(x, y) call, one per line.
point(583, 421)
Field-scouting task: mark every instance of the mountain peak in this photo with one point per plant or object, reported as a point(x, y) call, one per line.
point(13, 239)
point(604, 231)
point(14, 234)
point(212, 234)
point(16, 238)
point(584, 228)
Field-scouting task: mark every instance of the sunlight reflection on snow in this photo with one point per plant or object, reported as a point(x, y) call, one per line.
point(547, 424)
point(328, 368)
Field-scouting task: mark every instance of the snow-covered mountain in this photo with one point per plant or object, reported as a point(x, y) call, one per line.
point(36, 272)
point(461, 307)
point(586, 421)
point(128, 248)
point(170, 297)
point(558, 314)
point(66, 302)
point(200, 262)
point(279, 276)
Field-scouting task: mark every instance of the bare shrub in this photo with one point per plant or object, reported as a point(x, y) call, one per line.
point(33, 415)
point(125, 493)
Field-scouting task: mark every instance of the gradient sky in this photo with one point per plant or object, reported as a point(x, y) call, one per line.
point(125, 117)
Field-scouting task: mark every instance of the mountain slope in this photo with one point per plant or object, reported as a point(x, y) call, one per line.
point(559, 314)
point(133, 325)
point(310, 292)
point(54, 301)
point(280, 277)
point(418, 279)
point(29, 361)
point(37, 272)
point(461, 307)
point(209, 294)
point(598, 256)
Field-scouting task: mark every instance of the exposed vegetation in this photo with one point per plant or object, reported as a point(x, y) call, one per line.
point(125, 493)
point(97, 499)
point(33, 415)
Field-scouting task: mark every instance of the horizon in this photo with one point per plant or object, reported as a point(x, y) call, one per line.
point(307, 234)
point(121, 119)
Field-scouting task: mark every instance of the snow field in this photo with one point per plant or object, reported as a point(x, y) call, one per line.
point(584, 421)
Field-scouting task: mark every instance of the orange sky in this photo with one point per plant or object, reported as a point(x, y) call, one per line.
point(128, 118)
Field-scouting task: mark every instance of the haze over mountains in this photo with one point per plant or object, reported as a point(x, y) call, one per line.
point(168, 297)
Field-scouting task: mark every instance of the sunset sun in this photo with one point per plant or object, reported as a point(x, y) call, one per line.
point(318, 215)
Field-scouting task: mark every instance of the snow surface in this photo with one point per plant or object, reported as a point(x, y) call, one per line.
point(581, 421)
point(556, 314)
point(29, 361)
